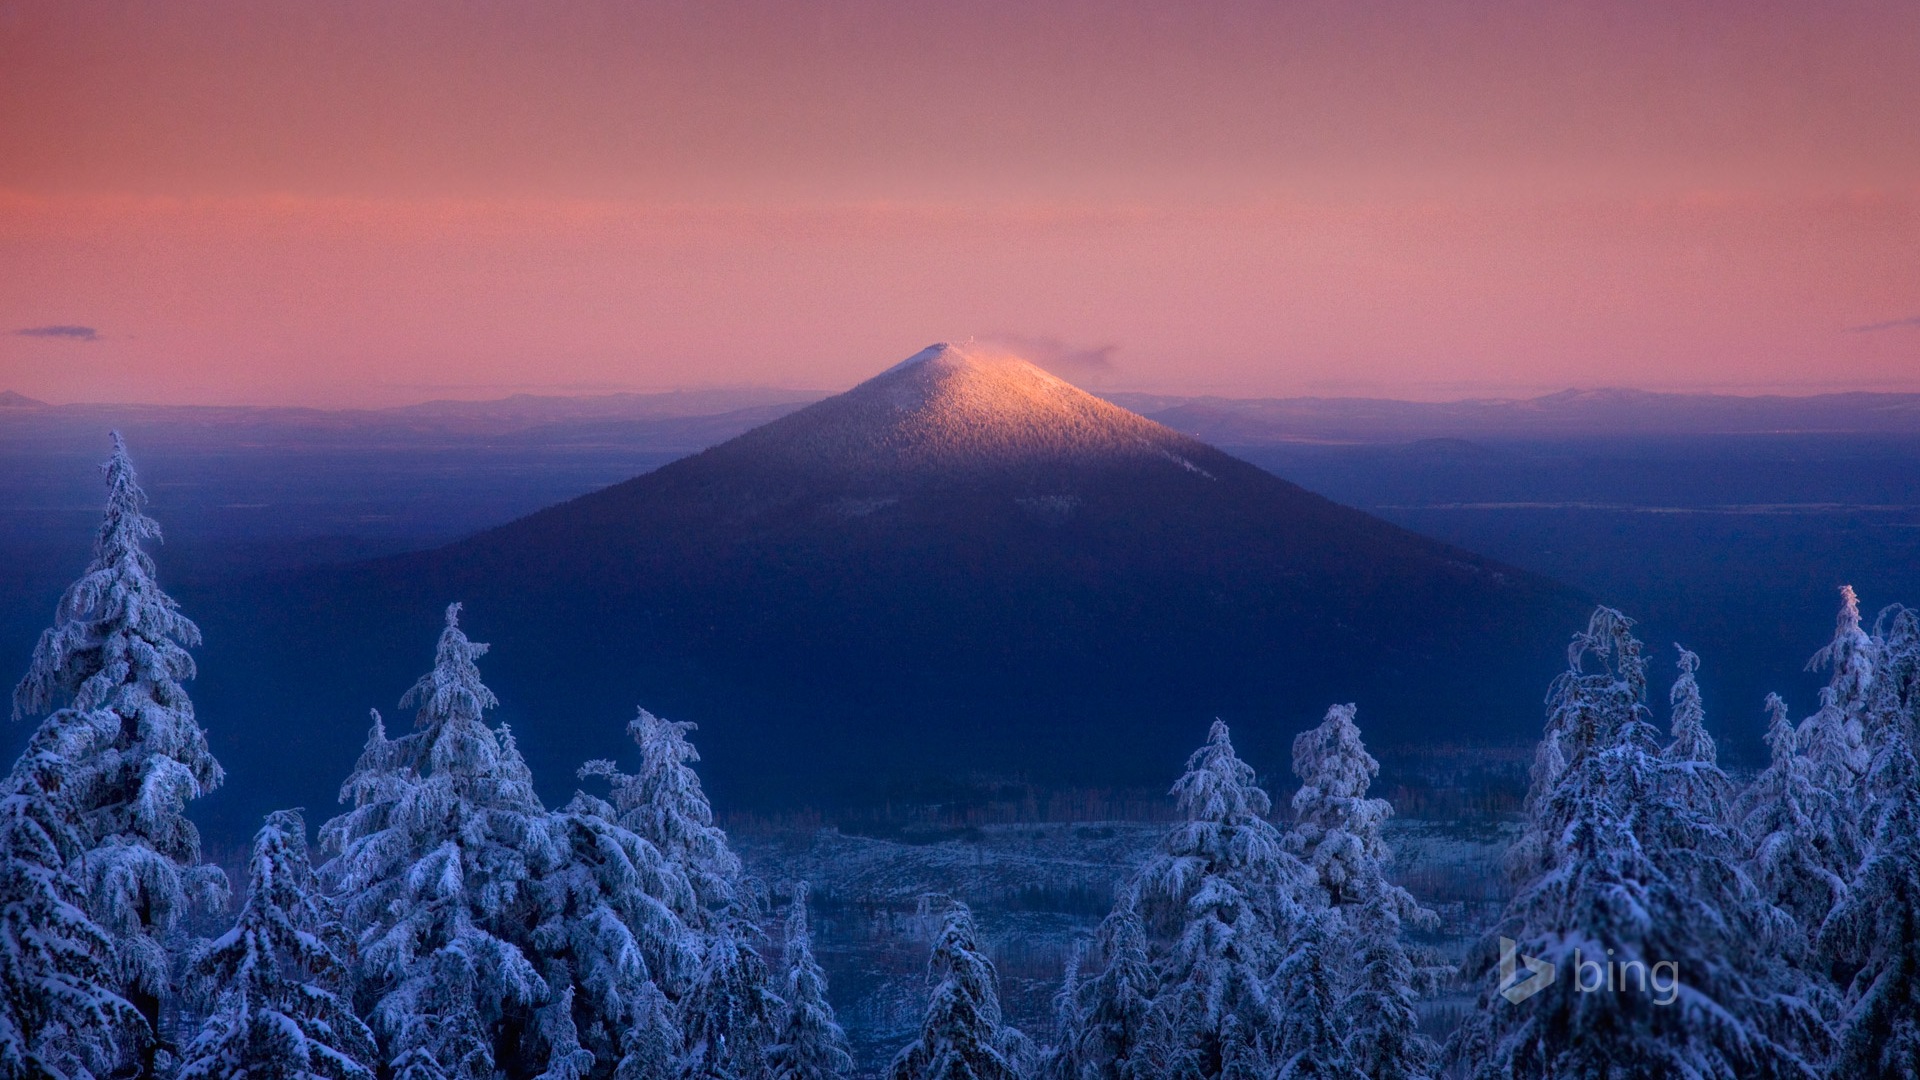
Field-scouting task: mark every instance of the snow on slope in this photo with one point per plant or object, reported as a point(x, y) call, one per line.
point(957, 408)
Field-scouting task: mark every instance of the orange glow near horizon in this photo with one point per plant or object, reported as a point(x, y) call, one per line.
point(369, 204)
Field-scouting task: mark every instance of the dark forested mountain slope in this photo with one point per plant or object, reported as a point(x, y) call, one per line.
point(963, 569)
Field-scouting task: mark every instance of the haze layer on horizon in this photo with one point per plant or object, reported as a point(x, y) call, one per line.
point(363, 204)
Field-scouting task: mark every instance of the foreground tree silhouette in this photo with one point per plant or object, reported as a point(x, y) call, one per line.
point(1787, 819)
point(1225, 891)
point(1875, 931)
point(1312, 1043)
point(609, 940)
point(811, 1045)
point(732, 1012)
point(437, 865)
point(1697, 775)
point(664, 803)
point(1339, 833)
point(132, 755)
point(963, 1037)
point(275, 983)
point(1116, 1037)
point(1835, 736)
point(60, 1014)
point(1627, 873)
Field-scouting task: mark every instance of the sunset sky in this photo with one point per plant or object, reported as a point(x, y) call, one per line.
point(362, 204)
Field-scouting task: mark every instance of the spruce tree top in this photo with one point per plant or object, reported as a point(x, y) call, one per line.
point(278, 936)
point(963, 1035)
point(1225, 807)
point(1691, 742)
point(1850, 654)
point(665, 804)
point(116, 657)
point(117, 640)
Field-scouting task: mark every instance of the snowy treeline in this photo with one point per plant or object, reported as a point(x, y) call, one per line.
point(453, 928)
point(1666, 921)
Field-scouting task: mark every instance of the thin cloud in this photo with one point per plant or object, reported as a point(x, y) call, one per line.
point(1057, 356)
point(71, 333)
point(1891, 324)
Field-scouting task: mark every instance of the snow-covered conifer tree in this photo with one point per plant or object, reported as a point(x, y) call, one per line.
point(1875, 930)
point(113, 664)
point(60, 1011)
point(1061, 1059)
point(664, 803)
point(964, 1036)
point(1896, 683)
point(1336, 828)
point(1243, 1053)
point(811, 1045)
point(440, 886)
point(650, 1048)
point(1223, 888)
point(1892, 703)
point(1117, 1037)
point(1835, 736)
point(1337, 831)
point(276, 984)
point(732, 1015)
point(1696, 759)
point(1630, 875)
point(1583, 708)
point(609, 938)
point(1379, 1012)
point(1312, 1042)
point(1788, 820)
point(1690, 741)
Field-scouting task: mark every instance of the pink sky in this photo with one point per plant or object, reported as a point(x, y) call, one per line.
point(376, 203)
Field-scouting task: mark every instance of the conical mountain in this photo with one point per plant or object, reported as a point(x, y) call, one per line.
point(950, 413)
point(962, 569)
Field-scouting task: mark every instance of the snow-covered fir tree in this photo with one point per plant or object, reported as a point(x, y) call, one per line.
point(731, 1017)
point(1688, 728)
point(964, 1036)
point(1834, 738)
point(1223, 889)
point(1061, 1059)
point(1117, 1040)
point(1312, 1044)
point(112, 667)
point(1692, 748)
point(1583, 708)
point(810, 1045)
point(60, 1012)
point(610, 942)
point(440, 881)
point(1337, 830)
point(1893, 702)
point(275, 986)
point(1380, 1011)
point(1788, 820)
point(663, 802)
point(712, 969)
point(1243, 1054)
point(651, 1049)
point(1338, 833)
point(1874, 933)
point(1630, 875)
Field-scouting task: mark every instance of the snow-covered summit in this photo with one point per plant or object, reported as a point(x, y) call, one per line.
point(965, 408)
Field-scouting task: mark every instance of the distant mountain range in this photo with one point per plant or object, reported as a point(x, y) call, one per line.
point(1570, 413)
point(1731, 543)
point(962, 571)
point(1220, 420)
